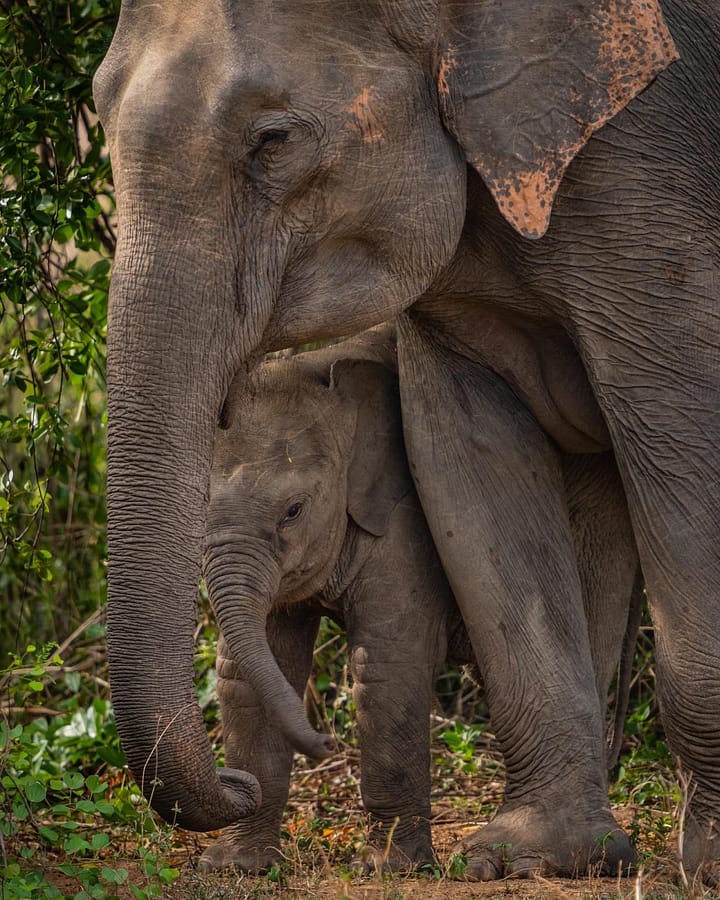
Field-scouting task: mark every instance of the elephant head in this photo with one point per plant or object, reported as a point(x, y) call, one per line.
point(288, 172)
point(315, 439)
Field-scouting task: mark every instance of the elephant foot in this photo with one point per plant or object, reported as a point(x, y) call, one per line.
point(402, 854)
point(527, 840)
point(700, 848)
point(244, 852)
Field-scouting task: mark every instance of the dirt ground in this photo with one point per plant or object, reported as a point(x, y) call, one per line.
point(308, 879)
point(323, 831)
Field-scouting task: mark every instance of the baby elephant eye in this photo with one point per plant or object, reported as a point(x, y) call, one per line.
point(293, 514)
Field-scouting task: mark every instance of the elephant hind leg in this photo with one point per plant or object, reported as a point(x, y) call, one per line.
point(609, 574)
point(661, 402)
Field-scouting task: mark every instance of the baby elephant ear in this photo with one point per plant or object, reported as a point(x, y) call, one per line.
point(524, 83)
point(378, 476)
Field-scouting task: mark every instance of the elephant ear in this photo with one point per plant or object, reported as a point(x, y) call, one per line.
point(524, 83)
point(378, 476)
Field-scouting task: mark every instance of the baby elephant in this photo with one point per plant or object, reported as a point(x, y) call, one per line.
point(313, 512)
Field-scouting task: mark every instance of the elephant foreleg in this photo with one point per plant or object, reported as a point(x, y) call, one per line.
point(396, 622)
point(491, 485)
point(253, 740)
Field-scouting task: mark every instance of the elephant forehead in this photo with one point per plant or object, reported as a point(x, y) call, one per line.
point(276, 50)
point(280, 471)
point(280, 438)
point(286, 405)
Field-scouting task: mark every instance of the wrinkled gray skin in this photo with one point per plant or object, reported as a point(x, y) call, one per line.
point(313, 512)
point(295, 171)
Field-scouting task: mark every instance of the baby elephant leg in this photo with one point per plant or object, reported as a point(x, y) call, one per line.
point(255, 744)
point(396, 635)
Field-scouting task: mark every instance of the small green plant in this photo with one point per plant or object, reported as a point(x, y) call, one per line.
point(432, 871)
point(277, 875)
point(456, 865)
point(460, 741)
point(329, 688)
point(64, 805)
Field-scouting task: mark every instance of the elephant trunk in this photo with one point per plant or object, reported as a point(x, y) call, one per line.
point(151, 647)
point(242, 583)
point(166, 384)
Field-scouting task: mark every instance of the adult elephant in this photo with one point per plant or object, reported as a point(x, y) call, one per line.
point(288, 172)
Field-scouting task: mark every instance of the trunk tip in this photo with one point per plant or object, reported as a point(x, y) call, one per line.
point(239, 796)
point(317, 745)
point(242, 790)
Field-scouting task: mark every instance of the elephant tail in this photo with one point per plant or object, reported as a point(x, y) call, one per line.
point(622, 692)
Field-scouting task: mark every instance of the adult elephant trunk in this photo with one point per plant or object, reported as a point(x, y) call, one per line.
point(242, 580)
point(170, 361)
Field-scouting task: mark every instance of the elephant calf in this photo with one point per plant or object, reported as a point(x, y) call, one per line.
point(313, 512)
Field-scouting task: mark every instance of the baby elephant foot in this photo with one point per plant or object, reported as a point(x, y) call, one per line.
point(237, 849)
point(528, 840)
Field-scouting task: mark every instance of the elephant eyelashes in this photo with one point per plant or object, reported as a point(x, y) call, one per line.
point(268, 142)
point(272, 137)
point(267, 150)
point(292, 515)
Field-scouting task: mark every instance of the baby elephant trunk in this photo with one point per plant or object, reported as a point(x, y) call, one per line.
point(242, 581)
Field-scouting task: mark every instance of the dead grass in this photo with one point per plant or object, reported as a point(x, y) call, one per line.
point(323, 831)
point(325, 822)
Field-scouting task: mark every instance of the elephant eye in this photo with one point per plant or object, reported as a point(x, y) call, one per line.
point(272, 138)
point(282, 148)
point(267, 151)
point(267, 142)
point(292, 514)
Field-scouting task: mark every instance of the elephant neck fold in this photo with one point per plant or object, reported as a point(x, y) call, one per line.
point(354, 552)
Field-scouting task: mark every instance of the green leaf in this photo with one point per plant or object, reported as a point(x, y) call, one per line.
point(95, 785)
point(35, 791)
point(69, 869)
point(114, 876)
point(75, 843)
point(99, 840)
point(168, 874)
point(63, 233)
point(101, 267)
point(112, 755)
point(60, 809)
point(86, 806)
point(76, 365)
point(50, 835)
point(105, 808)
point(73, 780)
point(73, 681)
